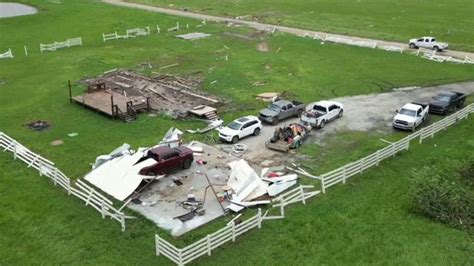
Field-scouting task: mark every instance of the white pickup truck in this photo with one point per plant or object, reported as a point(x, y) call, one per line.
point(410, 116)
point(319, 113)
point(428, 43)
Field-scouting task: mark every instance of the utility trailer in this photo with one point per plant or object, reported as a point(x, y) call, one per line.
point(288, 137)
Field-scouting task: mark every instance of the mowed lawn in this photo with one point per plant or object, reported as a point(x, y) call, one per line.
point(40, 224)
point(400, 20)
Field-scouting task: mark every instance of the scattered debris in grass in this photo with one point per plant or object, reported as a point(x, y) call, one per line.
point(38, 125)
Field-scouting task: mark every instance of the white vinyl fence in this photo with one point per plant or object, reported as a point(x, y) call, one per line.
point(7, 54)
point(58, 45)
point(130, 33)
point(80, 189)
point(230, 232)
point(424, 53)
point(343, 173)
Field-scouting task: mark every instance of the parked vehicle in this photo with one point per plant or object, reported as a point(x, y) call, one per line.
point(280, 110)
point(240, 128)
point(319, 113)
point(446, 102)
point(287, 138)
point(428, 43)
point(410, 116)
point(167, 159)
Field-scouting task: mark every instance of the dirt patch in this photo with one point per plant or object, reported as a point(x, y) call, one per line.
point(166, 93)
point(38, 125)
point(262, 47)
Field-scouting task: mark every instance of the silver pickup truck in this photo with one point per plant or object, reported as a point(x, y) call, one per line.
point(280, 110)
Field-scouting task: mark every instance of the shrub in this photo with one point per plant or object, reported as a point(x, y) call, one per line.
point(442, 194)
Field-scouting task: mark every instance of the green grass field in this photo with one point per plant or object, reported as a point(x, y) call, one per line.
point(381, 19)
point(41, 225)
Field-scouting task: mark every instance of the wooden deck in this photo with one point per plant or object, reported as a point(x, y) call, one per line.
point(101, 101)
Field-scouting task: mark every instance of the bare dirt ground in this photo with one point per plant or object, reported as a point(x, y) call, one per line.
point(373, 112)
point(269, 27)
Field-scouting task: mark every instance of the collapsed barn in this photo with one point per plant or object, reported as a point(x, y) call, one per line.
point(123, 94)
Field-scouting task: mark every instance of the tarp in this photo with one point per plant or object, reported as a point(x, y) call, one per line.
point(119, 177)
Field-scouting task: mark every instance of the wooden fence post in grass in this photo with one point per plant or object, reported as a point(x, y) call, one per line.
point(158, 29)
point(378, 157)
point(393, 150)
point(122, 222)
point(157, 245)
point(344, 174)
point(180, 253)
point(259, 217)
point(361, 165)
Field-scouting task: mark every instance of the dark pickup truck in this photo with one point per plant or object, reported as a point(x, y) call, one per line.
point(446, 102)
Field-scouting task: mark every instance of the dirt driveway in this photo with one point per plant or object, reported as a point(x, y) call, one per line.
point(373, 112)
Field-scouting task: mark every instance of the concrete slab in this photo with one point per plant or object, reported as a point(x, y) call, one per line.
point(8, 10)
point(161, 199)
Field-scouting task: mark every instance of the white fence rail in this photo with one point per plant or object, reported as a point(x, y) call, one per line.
point(58, 45)
point(129, 33)
point(424, 53)
point(228, 233)
point(47, 168)
point(7, 54)
point(343, 173)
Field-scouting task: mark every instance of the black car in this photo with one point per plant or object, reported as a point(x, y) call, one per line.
point(446, 102)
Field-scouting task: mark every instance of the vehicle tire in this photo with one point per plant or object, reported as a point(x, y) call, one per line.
point(298, 144)
point(256, 132)
point(187, 163)
point(436, 49)
point(412, 46)
point(340, 114)
point(151, 173)
point(322, 124)
point(299, 113)
point(275, 120)
point(235, 139)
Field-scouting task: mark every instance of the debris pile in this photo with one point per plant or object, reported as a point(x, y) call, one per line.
point(247, 188)
point(38, 125)
point(286, 138)
point(168, 94)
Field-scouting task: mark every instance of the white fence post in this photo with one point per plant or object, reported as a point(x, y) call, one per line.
point(302, 195)
point(233, 231)
point(377, 153)
point(102, 209)
point(157, 244)
point(323, 188)
point(259, 217)
point(208, 241)
point(14, 149)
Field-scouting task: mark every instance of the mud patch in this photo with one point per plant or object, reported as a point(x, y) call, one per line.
point(262, 47)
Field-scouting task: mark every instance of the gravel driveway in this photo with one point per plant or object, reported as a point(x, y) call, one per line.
point(361, 113)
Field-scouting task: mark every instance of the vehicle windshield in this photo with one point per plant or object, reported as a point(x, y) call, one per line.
point(442, 98)
point(407, 112)
point(274, 107)
point(319, 109)
point(234, 125)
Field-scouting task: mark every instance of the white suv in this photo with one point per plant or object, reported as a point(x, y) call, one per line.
point(240, 128)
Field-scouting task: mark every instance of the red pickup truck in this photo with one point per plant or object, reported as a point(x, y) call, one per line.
point(167, 159)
